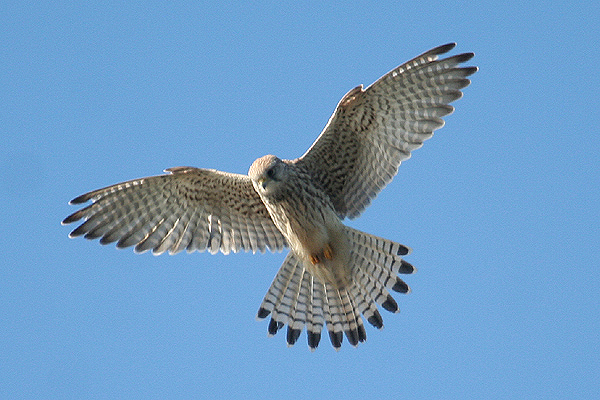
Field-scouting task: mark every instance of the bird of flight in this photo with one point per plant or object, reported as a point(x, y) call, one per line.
point(333, 274)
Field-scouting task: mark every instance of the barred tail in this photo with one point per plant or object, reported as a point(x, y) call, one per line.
point(298, 299)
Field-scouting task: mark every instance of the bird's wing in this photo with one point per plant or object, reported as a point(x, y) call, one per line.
point(373, 130)
point(189, 208)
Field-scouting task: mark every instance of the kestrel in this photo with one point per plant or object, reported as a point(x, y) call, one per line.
point(332, 274)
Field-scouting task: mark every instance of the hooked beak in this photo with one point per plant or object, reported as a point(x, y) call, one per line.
point(262, 181)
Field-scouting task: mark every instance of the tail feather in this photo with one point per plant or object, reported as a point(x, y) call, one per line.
point(366, 306)
point(388, 263)
point(278, 287)
point(346, 314)
point(382, 272)
point(315, 319)
point(403, 267)
point(287, 301)
point(356, 332)
point(377, 290)
point(300, 300)
point(281, 298)
point(297, 318)
point(334, 317)
point(381, 245)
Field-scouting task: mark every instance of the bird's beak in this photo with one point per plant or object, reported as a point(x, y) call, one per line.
point(262, 181)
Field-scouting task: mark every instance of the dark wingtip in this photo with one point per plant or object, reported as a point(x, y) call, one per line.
point(70, 219)
point(80, 199)
point(104, 240)
point(262, 313)
point(470, 70)
point(90, 235)
point(376, 320)
point(292, 336)
point(354, 336)
point(313, 339)
point(362, 334)
point(274, 326)
point(79, 231)
point(444, 48)
point(122, 243)
point(402, 250)
point(336, 339)
point(390, 304)
point(400, 286)
point(406, 268)
point(461, 58)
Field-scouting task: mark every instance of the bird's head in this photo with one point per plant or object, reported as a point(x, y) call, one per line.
point(267, 174)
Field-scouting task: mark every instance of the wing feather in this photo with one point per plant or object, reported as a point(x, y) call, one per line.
point(373, 130)
point(189, 208)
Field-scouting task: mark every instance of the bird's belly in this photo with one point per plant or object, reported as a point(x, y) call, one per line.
point(318, 238)
point(331, 264)
point(323, 248)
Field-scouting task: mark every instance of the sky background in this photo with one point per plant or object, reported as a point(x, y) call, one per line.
point(501, 207)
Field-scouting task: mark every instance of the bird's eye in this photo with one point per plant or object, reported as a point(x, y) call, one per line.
point(271, 173)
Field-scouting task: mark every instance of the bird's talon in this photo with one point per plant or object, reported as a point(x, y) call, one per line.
point(328, 252)
point(314, 259)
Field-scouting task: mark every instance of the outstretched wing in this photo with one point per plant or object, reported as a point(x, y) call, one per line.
point(373, 130)
point(189, 208)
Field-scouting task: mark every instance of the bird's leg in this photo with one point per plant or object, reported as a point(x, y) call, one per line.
point(327, 253)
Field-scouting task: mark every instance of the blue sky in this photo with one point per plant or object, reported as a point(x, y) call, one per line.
point(501, 207)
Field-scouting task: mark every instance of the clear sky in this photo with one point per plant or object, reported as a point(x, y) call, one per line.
point(501, 206)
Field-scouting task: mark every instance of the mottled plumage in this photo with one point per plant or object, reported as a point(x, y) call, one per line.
point(333, 274)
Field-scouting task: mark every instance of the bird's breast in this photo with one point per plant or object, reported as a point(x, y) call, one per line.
point(318, 238)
